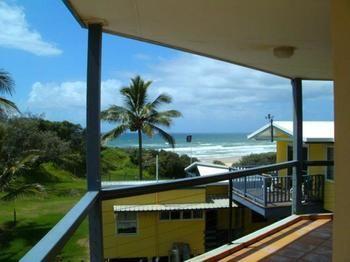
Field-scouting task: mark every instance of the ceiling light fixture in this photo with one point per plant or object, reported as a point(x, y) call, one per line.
point(283, 51)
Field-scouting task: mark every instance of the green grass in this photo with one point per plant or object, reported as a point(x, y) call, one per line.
point(117, 166)
point(37, 215)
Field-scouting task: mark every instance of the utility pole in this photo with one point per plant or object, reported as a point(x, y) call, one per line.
point(189, 140)
point(157, 168)
point(270, 118)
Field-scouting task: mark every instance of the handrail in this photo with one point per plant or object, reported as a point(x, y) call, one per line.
point(48, 247)
point(319, 163)
point(112, 193)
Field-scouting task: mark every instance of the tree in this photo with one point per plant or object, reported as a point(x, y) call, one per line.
point(13, 170)
point(140, 115)
point(6, 87)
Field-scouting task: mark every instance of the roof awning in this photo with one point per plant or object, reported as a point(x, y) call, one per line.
point(242, 32)
point(214, 204)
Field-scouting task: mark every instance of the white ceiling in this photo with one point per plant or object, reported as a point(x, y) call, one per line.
point(242, 32)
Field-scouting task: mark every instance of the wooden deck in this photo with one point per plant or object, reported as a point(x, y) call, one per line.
point(297, 238)
point(306, 240)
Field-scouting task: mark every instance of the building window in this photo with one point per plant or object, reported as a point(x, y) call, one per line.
point(330, 169)
point(127, 223)
point(197, 214)
point(164, 215)
point(187, 214)
point(175, 215)
point(184, 215)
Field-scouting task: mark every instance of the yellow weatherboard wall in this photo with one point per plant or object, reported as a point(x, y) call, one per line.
point(316, 151)
point(154, 237)
point(340, 25)
point(281, 155)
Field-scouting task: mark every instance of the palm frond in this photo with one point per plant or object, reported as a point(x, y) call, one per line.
point(21, 191)
point(8, 106)
point(14, 169)
point(5, 179)
point(170, 113)
point(6, 83)
point(129, 99)
point(138, 92)
point(148, 130)
point(115, 114)
point(114, 133)
point(164, 118)
point(167, 137)
point(161, 99)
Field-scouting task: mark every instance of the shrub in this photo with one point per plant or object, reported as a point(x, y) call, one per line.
point(257, 159)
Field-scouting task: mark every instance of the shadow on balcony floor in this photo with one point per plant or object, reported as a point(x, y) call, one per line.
point(297, 238)
point(303, 241)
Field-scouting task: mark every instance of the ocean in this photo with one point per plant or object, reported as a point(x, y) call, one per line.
point(203, 146)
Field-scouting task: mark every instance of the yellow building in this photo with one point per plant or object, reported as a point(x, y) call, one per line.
point(192, 220)
point(318, 144)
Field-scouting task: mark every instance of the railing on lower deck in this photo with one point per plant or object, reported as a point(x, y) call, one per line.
point(51, 244)
point(266, 189)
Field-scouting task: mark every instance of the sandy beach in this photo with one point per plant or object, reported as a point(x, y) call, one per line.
point(227, 160)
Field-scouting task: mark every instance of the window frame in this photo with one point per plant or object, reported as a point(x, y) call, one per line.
point(327, 169)
point(181, 215)
point(127, 234)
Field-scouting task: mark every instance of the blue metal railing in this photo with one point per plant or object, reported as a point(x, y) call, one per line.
point(265, 189)
point(52, 243)
point(48, 247)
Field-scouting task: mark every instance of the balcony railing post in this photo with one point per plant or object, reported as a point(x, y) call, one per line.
point(265, 191)
point(245, 186)
point(297, 145)
point(93, 109)
point(230, 212)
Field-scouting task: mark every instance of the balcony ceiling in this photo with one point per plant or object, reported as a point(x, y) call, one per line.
point(242, 32)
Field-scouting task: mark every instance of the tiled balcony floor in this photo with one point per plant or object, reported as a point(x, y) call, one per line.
point(306, 240)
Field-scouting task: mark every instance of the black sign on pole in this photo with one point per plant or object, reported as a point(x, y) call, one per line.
point(189, 139)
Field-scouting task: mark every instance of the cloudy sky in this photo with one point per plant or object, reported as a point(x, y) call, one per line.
point(44, 49)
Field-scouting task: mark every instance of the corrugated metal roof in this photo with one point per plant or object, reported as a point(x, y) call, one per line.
point(213, 204)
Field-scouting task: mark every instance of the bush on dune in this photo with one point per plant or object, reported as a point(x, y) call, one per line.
point(257, 159)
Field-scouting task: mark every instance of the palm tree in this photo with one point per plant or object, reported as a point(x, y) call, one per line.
point(140, 115)
point(6, 87)
point(11, 171)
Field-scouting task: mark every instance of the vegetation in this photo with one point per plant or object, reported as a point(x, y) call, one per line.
point(6, 88)
point(257, 159)
point(140, 115)
point(218, 162)
point(37, 214)
point(171, 165)
point(59, 142)
point(50, 156)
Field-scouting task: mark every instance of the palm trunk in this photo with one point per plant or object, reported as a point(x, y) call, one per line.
point(140, 153)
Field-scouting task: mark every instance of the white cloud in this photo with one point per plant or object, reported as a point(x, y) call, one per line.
point(67, 100)
point(212, 95)
point(15, 32)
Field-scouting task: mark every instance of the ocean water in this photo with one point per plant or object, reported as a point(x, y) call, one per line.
point(203, 146)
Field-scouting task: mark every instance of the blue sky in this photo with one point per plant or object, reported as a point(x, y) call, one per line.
point(44, 49)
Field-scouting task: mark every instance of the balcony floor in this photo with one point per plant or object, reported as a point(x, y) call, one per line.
point(305, 240)
point(296, 238)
